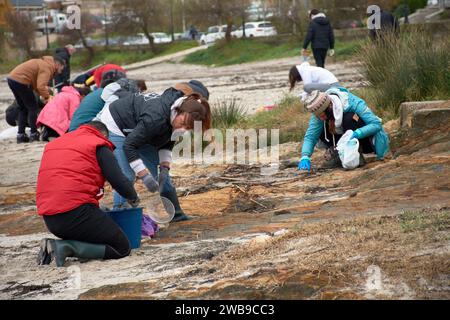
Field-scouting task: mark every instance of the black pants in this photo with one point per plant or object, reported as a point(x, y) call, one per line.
point(88, 223)
point(348, 123)
point(28, 105)
point(320, 55)
point(48, 132)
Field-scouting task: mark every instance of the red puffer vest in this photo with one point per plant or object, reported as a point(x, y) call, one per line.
point(69, 175)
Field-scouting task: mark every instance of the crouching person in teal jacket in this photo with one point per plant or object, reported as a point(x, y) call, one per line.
point(333, 113)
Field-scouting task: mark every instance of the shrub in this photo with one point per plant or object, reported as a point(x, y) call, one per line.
point(227, 114)
point(413, 67)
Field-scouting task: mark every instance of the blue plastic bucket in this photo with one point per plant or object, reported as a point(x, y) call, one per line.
point(130, 221)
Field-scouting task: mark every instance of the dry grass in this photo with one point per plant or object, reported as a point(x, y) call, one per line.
point(344, 250)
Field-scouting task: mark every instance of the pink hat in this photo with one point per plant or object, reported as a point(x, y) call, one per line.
point(317, 102)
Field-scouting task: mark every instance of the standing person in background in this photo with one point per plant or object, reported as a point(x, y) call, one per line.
point(193, 32)
point(34, 74)
point(389, 25)
point(65, 54)
point(320, 35)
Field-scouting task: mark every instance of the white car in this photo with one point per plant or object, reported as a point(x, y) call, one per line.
point(256, 29)
point(214, 33)
point(161, 37)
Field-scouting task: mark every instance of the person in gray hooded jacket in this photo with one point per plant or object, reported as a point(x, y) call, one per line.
point(141, 127)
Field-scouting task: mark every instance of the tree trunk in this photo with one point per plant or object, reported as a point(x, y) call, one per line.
point(91, 52)
point(229, 26)
point(151, 41)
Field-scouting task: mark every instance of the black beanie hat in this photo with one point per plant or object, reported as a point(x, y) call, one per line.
point(198, 87)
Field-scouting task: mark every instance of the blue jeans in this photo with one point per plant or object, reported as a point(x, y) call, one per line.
point(149, 156)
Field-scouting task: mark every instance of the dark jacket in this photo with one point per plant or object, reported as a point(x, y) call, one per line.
point(145, 119)
point(63, 79)
point(389, 23)
point(320, 34)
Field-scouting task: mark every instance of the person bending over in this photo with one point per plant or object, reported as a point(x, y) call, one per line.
point(333, 113)
point(314, 78)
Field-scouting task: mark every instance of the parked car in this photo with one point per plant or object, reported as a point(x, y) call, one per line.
point(161, 37)
point(214, 33)
point(256, 29)
point(139, 39)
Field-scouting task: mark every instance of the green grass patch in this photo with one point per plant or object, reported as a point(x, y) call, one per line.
point(411, 221)
point(250, 50)
point(124, 57)
point(289, 116)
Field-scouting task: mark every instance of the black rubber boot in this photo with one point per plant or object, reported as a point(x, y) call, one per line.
point(22, 138)
point(180, 216)
point(59, 250)
point(35, 136)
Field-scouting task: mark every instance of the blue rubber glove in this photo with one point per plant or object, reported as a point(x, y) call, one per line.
point(356, 135)
point(305, 164)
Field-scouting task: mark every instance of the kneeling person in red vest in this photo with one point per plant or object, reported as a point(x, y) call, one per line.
point(70, 183)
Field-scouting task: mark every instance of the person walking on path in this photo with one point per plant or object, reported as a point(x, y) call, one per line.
point(321, 36)
point(70, 184)
point(34, 74)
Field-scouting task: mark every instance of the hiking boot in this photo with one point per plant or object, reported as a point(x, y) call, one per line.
point(22, 138)
point(34, 136)
point(180, 216)
point(44, 134)
point(362, 160)
point(332, 159)
point(59, 250)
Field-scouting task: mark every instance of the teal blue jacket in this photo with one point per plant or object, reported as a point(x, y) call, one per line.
point(358, 106)
point(87, 110)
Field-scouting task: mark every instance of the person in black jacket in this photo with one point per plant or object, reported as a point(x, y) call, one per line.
point(389, 25)
point(65, 54)
point(141, 128)
point(320, 35)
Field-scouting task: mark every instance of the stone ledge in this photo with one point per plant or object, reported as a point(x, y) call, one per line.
point(408, 108)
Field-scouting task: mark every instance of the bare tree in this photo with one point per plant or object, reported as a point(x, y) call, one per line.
point(88, 25)
point(221, 12)
point(22, 29)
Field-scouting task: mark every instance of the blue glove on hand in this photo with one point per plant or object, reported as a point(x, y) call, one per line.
point(356, 135)
point(305, 164)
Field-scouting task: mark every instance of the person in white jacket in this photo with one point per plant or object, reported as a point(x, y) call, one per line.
point(314, 78)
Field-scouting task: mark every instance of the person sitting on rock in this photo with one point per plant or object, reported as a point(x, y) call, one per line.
point(70, 183)
point(333, 113)
point(141, 128)
point(56, 115)
point(314, 78)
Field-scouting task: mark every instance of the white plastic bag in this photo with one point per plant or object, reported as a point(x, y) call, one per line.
point(348, 150)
